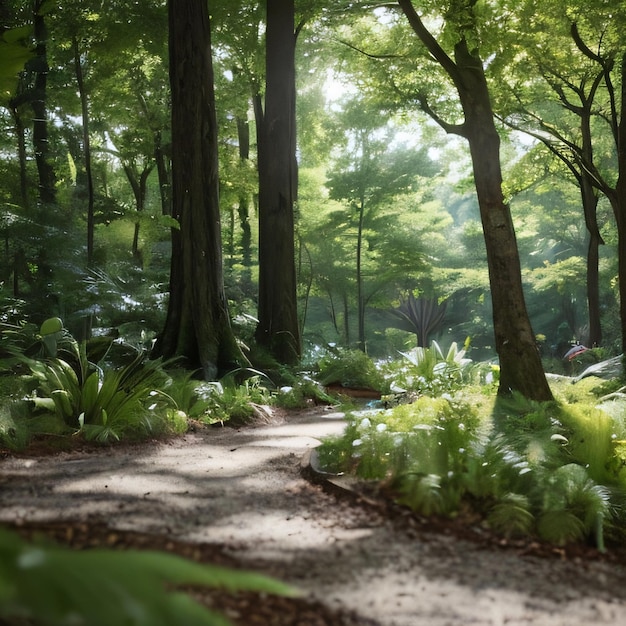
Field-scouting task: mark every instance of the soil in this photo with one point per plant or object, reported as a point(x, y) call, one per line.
point(249, 498)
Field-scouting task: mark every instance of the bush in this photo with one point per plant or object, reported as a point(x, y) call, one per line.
point(550, 470)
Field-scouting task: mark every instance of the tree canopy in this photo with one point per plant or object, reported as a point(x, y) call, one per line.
point(470, 152)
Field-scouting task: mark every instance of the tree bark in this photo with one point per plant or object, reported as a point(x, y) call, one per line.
point(521, 369)
point(91, 223)
point(197, 329)
point(47, 179)
point(278, 328)
point(618, 200)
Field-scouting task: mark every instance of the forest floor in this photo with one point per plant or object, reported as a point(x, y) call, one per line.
point(244, 497)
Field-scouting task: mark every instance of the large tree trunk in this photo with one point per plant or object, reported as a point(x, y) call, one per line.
point(197, 328)
point(278, 328)
point(520, 363)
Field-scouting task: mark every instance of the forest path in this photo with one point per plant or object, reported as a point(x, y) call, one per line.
point(243, 489)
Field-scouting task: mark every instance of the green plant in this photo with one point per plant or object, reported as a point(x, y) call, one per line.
point(422, 316)
point(430, 370)
point(109, 403)
point(57, 586)
point(350, 368)
point(72, 381)
point(548, 470)
point(300, 394)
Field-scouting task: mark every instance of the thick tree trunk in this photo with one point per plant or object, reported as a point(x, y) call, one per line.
point(619, 203)
point(197, 328)
point(278, 328)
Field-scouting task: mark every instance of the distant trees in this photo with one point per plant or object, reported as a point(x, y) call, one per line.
point(334, 259)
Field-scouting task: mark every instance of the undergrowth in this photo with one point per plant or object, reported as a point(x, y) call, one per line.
point(554, 470)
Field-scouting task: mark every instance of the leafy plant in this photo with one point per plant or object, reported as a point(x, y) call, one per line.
point(58, 586)
point(430, 370)
point(549, 470)
point(72, 381)
point(350, 368)
point(422, 316)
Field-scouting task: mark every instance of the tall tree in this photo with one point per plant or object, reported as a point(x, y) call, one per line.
point(197, 328)
point(558, 107)
point(47, 192)
point(278, 329)
point(520, 362)
point(370, 176)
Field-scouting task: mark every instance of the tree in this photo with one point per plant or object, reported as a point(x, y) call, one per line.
point(520, 363)
point(278, 329)
point(197, 328)
point(370, 175)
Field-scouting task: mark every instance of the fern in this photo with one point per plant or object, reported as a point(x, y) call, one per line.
point(57, 586)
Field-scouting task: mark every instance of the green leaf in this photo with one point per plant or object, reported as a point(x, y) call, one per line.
point(90, 392)
point(107, 588)
point(51, 325)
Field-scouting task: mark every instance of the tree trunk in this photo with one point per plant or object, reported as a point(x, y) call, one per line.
point(47, 179)
point(590, 203)
point(21, 153)
point(91, 224)
point(163, 174)
point(520, 362)
point(359, 278)
point(243, 210)
point(197, 329)
point(619, 205)
point(278, 328)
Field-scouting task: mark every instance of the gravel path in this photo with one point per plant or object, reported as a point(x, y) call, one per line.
point(244, 489)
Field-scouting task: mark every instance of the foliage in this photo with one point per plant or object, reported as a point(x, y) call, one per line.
point(58, 586)
point(349, 368)
point(301, 393)
point(422, 316)
point(552, 470)
point(102, 401)
point(430, 370)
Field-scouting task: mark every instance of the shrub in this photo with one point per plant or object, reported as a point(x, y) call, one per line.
point(550, 469)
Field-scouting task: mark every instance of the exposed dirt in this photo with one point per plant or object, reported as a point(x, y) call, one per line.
point(239, 497)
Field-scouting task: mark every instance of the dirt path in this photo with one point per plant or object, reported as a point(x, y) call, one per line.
point(244, 489)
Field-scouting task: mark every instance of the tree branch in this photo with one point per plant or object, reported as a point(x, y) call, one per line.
point(432, 45)
point(369, 54)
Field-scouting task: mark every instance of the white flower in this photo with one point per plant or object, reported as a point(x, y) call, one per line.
point(381, 428)
point(357, 442)
point(365, 424)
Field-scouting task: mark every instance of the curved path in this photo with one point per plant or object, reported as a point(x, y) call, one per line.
point(244, 489)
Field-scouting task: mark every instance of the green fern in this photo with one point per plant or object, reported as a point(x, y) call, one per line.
point(512, 516)
point(56, 586)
